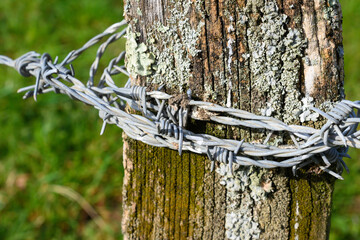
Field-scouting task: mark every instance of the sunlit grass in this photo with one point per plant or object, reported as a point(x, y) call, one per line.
point(58, 178)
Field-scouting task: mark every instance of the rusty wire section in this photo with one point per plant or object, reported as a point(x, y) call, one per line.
point(163, 125)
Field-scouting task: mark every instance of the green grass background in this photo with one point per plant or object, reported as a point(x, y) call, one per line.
point(55, 141)
point(51, 149)
point(345, 220)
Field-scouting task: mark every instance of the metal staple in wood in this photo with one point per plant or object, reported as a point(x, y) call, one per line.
point(162, 125)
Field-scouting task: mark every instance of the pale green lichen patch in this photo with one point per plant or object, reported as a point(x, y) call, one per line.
point(274, 59)
point(245, 192)
point(174, 45)
point(139, 60)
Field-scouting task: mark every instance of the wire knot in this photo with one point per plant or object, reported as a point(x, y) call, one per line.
point(340, 112)
point(335, 155)
point(221, 155)
point(170, 129)
point(335, 124)
point(24, 61)
point(166, 127)
point(139, 93)
point(31, 64)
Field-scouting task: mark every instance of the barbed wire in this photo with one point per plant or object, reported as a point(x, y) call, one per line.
point(163, 125)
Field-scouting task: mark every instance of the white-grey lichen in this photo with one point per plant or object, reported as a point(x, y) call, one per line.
point(139, 60)
point(138, 11)
point(127, 7)
point(241, 227)
point(297, 216)
point(230, 43)
point(243, 18)
point(331, 14)
point(245, 184)
point(268, 110)
point(307, 114)
point(274, 56)
point(179, 43)
point(209, 93)
point(199, 7)
point(274, 60)
point(311, 62)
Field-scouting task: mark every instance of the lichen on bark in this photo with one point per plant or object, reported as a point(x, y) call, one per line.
point(275, 54)
point(243, 54)
point(245, 191)
point(139, 60)
point(174, 44)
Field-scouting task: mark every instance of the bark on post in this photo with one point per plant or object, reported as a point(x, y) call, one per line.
point(269, 57)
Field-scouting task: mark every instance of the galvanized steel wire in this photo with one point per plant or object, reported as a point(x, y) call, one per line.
point(162, 125)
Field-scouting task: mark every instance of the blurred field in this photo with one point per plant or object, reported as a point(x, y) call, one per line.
point(51, 155)
point(52, 158)
point(345, 220)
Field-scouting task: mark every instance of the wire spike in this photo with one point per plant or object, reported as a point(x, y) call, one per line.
point(103, 128)
point(231, 159)
point(294, 168)
point(181, 132)
point(161, 87)
point(64, 62)
point(72, 70)
point(239, 146)
point(332, 173)
point(268, 137)
point(208, 153)
point(293, 138)
point(161, 108)
point(326, 137)
point(345, 155)
point(37, 84)
point(212, 166)
point(326, 160)
point(345, 166)
point(341, 135)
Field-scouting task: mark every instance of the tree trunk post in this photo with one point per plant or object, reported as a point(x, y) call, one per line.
point(269, 57)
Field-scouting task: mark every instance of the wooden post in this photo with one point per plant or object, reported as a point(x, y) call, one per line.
point(264, 56)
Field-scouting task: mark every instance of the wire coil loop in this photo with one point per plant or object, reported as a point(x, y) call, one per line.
point(163, 125)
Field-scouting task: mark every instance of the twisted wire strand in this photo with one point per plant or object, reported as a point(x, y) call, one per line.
point(163, 125)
